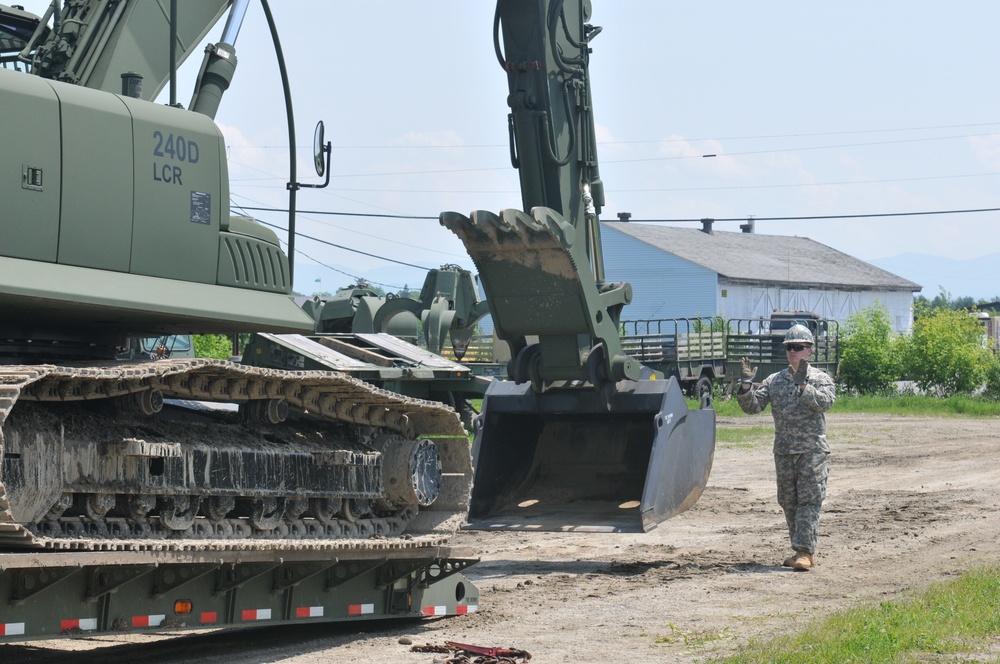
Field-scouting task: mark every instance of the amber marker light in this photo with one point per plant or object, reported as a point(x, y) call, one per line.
point(183, 607)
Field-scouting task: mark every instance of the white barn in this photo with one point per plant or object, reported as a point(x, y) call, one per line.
point(690, 272)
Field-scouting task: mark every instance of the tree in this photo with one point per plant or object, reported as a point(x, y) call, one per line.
point(945, 353)
point(869, 361)
point(943, 300)
point(364, 285)
point(215, 346)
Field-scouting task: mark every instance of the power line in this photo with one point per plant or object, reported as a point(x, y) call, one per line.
point(342, 229)
point(343, 214)
point(744, 218)
point(811, 184)
point(637, 142)
point(802, 149)
point(802, 135)
point(808, 218)
point(340, 246)
point(672, 158)
point(352, 276)
point(836, 183)
point(648, 221)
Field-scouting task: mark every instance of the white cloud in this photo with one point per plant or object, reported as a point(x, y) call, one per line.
point(986, 150)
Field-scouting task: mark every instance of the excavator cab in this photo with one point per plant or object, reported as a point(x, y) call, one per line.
point(576, 439)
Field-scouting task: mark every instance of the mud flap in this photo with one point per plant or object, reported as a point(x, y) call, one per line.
point(574, 460)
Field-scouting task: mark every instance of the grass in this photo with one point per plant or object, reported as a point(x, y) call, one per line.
point(950, 621)
point(690, 638)
point(955, 406)
point(959, 405)
point(745, 436)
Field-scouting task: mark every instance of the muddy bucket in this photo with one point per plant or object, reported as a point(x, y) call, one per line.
point(570, 460)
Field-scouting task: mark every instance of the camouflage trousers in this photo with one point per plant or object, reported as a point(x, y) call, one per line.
point(801, 490)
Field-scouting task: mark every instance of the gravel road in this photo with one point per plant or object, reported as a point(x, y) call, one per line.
point(912, 500)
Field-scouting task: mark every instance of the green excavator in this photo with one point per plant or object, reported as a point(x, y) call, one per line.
point(116, 225)
point(180, 492)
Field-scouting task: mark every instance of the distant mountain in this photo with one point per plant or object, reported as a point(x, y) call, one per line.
point(978, 278)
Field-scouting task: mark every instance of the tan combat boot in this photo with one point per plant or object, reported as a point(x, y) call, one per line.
point(803, 562)
point(790, 560)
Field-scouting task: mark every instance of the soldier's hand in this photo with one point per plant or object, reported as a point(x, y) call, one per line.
point(799, 377)
point(747, 372)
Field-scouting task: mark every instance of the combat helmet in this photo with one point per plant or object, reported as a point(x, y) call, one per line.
point(799, 334)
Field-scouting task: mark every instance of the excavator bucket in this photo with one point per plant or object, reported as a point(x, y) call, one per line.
point(577, 460)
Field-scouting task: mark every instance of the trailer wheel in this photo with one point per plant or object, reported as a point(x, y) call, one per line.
point(703, 388)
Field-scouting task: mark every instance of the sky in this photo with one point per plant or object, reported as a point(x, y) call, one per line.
point(811, 109)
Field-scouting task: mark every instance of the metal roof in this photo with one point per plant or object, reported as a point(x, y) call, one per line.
point(768, 259)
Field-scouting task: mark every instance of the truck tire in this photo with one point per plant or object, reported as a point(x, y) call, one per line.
point(703, 386)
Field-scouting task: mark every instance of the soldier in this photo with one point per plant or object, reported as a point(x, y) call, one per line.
point(799, 395)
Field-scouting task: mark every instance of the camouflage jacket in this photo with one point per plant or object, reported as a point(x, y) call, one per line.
point(799, 423)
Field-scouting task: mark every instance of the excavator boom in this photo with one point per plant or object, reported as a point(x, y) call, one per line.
point(575, 440)
point(95, 41)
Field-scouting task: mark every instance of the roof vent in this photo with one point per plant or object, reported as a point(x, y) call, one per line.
point(624, 216)
point(706, 225)
point(747, 227)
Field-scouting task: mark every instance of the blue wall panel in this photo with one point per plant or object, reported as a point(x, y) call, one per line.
point(664, 286)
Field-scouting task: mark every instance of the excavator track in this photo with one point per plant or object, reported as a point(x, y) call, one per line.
point(344, 471)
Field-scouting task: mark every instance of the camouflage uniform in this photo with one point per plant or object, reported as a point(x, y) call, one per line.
point(800, 447)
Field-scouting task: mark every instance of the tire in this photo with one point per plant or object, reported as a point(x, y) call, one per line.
point(704, 386)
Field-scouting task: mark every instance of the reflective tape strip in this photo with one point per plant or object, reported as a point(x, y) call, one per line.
point(360, 609)
point(435, 610)
point(209, 617)
point(11, 629)
point(256, 614)
point(147, 621)
point(309, 612)
point(463, 609)
point(81, 623)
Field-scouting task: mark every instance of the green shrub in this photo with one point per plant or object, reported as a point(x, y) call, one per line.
point(869, 362)
point(945, 354)
point(992, 388)
point(215, 346)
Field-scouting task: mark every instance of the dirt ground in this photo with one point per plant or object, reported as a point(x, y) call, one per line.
point(911, 501)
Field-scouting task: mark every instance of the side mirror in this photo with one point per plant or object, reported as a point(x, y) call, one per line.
point(322, 166)
point(319, 147)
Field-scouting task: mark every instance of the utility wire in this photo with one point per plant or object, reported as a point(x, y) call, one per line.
point(744, 218)
point(340, 246)
point(802, 149)
point(809, 184)
point(638, 142)
point(675, 157)
point(342, 214)
point(802, 135)
point(838, 183)
point(409, 245)
point(348, 274)
point(806, 218)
